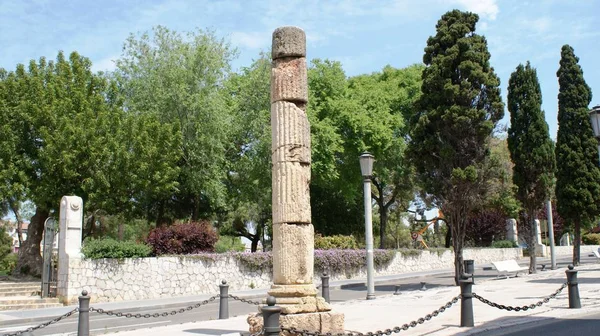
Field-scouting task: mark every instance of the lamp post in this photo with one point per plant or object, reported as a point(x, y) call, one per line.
point(595, 119)
point(366, 169)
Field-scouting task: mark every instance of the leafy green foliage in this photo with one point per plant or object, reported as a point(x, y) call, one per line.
point(591, 239)
point(531, 149)
point(504, 244)
point(348, 260)
point(8, 263)
point(178, 79)
point(5, 243)
point(458, 110)
point(183, 238)
point(229, 244)
point(110, 248)
point(335, 242)
point(578, 174)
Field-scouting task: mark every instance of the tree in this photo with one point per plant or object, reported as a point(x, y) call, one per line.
point(578, 175)
point(458, 110)
point(180, 79)
point(531, 149)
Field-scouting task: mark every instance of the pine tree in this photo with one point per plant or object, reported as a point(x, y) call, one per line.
point(459, 108)
point(531, 149)
point(578, 175)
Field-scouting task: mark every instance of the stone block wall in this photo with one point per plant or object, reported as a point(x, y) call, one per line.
point(110, 280)
point(568, 250)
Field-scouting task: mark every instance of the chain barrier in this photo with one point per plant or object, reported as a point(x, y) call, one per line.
point(43, 325)
point(256, 303)
point(148, 315)
point(523, 308)
point(404, 327)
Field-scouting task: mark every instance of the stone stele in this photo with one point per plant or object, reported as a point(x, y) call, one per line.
point(293, 232)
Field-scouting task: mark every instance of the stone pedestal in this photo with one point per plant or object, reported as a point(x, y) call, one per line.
point(323, 322)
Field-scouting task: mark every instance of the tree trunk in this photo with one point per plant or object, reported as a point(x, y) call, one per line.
point(577, 243)
point(448, 236)
point(532, 241)
point(457, 222)
point(15, 209)
point(382, 224)
point(30, 259)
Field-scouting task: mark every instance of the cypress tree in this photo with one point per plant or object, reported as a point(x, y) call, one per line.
point(578, 175)
point(458, 110)
point(531, 149)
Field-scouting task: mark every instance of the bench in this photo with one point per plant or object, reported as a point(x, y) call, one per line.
point(596, 254)
point(506, 267)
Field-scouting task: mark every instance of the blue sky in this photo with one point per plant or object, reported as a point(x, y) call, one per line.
point(363, 35)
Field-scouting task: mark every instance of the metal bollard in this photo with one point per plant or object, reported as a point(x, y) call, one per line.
point(470, 268)
point(83, 327)
point(271, 314)
point(397, 290)
point(325, 287)
point(423, 286)
point(574, 300)
point(466, 302)
point(223, 300)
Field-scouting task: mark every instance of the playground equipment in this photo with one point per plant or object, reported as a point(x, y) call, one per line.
point(417, 236)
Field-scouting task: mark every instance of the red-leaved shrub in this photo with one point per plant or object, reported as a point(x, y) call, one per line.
point(183, 238)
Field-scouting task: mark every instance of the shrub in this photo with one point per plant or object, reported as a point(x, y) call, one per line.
point(504, 244)
point(255, 260)
point(229, 244)
point(110, 248)
point(591, 239)
point(183, 238)
point(8, 263)
point(342, 260)
point(335, 242)
point(484, 227)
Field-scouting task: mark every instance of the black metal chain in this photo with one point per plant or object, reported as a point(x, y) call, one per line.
point(148, 315)
point(43, 325)
point(404, 327)
point(521, 308)
point(256, 303)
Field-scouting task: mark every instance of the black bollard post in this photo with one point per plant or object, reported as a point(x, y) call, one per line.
point(470, 268)
point(574, 300)
point(223, 300)
point(271, 314)
point(397, 290)
point(466, 302)
point(325, 287)
point(83, 327)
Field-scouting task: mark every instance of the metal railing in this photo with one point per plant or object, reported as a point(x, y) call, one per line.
point(271, 312)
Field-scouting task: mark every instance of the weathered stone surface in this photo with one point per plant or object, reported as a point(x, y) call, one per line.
point(288, 41)
point(293, 258)
point(292, 153)
point(323, 322)
point(289, 80)
point(279, 291)
point(289, 126)
point(291, 194)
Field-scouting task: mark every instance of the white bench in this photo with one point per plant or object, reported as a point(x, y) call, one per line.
point(508, 266)
point(596, 254)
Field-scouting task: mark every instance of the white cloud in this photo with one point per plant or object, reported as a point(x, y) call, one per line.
point(105, 64)
point(487, 9)
point(251, 40)
point(541, 25)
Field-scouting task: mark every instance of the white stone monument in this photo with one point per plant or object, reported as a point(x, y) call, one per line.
point(511, 230)
point(293, 232)
point(69, 246)
point(541, 250)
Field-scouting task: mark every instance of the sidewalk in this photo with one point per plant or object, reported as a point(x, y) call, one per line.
point(390, 311)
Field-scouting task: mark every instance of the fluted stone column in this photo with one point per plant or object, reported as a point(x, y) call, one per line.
point(293, 232)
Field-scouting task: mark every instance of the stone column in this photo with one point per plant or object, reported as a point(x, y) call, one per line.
point(293, 233)
point(511, 230)
point(69, 246)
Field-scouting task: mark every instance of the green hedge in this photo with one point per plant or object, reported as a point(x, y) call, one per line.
point(110, 248)
point(337, 242)
point(504, 244)
point(591, 239)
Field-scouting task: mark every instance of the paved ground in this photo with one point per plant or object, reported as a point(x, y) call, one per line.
point(385, 312)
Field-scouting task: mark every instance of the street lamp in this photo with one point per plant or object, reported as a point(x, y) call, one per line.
point(366, 169)
point(595, 118)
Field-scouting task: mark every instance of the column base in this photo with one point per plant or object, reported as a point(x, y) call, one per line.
point(322, 322)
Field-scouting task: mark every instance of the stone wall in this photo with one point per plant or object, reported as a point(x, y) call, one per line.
point(568, 250)
point(148, 278)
